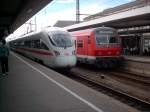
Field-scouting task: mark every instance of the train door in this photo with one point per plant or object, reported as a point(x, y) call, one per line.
point(80, 48)
point(86, 46)
point(89, 45)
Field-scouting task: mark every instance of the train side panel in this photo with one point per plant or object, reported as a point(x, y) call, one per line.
point(38, 46)
point(89, 51)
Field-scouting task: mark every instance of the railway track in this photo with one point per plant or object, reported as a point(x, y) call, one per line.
point(132, 76)
point(103, 82)
point(130, 79)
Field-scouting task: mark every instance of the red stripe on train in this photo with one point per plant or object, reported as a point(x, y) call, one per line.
point(35, 51)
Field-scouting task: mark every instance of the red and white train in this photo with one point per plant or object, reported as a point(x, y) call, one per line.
point(99, 46)
point(52, 46)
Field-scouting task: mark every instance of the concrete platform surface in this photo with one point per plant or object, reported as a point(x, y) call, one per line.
point(137, 64)
point(31, 87)
point(144, 59)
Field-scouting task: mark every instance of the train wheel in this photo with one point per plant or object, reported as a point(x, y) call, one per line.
point(113, 63)
point(38, 61)
point(35, 59)
point(41, 62)
point(105, 65)
point(98, 65)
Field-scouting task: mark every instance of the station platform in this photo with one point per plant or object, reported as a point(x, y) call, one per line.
point(144, 59)
point(137, 64)
point(31, 87)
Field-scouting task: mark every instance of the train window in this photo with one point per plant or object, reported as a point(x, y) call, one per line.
point(35, 43)
point(32, 43)
point(80, 43)
point(105, 36)
point(62, 39)
point(27, 43)
point(44, 46)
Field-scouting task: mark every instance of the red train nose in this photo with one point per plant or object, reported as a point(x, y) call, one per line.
point(108, 52)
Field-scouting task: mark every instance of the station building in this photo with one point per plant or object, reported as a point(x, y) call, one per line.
point(136, 38)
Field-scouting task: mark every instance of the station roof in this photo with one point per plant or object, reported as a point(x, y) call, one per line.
point(64, 23)
point(132, 16)
point(116, 9)
point(13, 13)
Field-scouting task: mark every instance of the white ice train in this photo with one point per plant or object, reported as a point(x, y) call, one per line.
point(52, 46)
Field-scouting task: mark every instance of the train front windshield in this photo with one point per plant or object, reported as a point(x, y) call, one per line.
point(104, 37)
point(62, 39)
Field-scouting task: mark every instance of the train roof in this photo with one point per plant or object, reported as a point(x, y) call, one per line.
point(47, 29)
point(89, 31)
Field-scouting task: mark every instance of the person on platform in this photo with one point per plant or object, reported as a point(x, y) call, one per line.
point(4, 53)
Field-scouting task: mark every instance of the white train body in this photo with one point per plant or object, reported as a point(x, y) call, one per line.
point(53, 47)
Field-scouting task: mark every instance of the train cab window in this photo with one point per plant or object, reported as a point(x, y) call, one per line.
point(80, 43)
point(32, 43)
point(62, 39)
point(102, 39)
point(106, 37)
point(15, 44)
point(51, 41)
point(20, 44)
point(44, 46)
